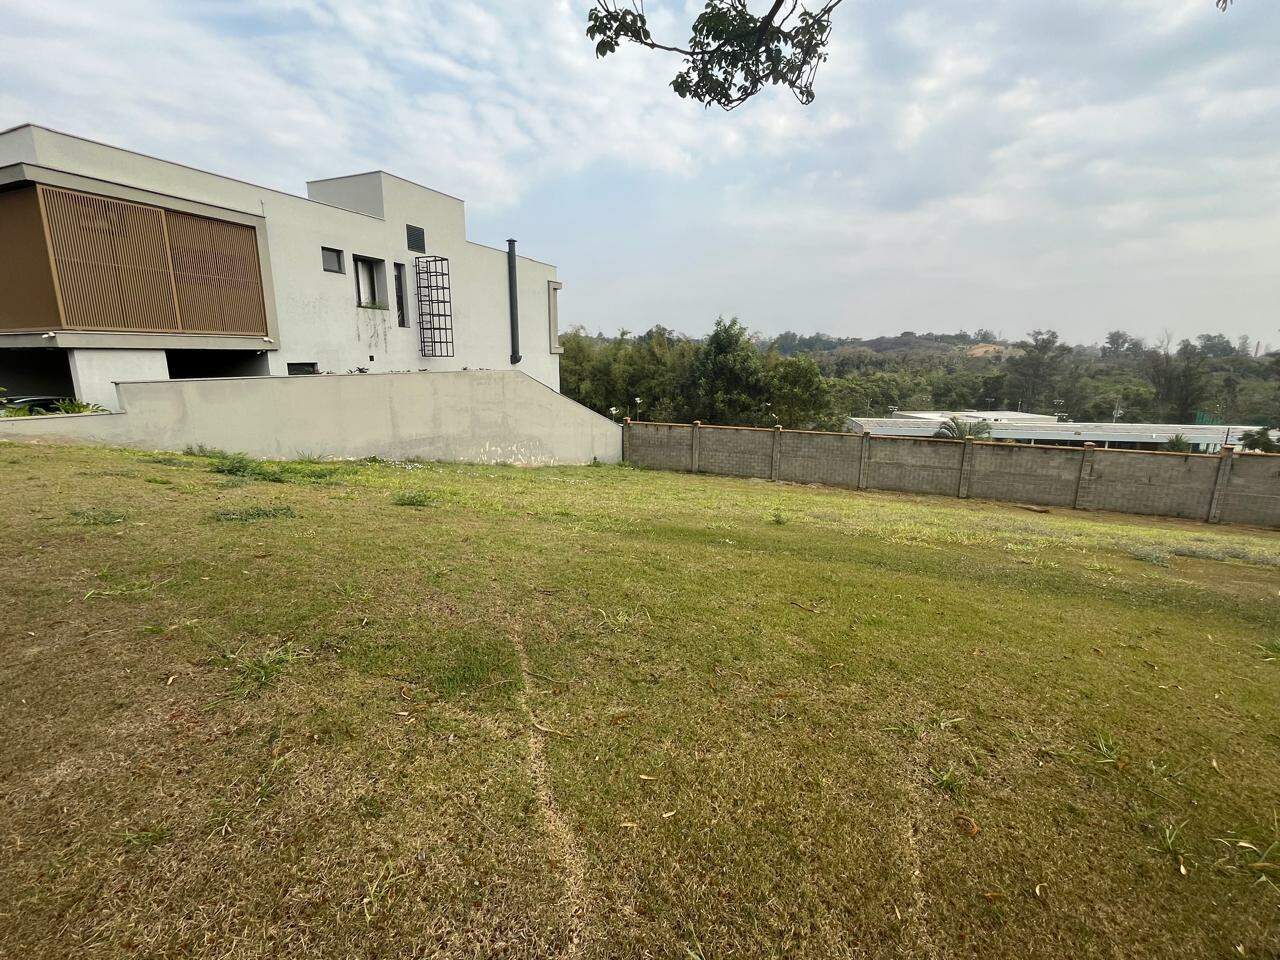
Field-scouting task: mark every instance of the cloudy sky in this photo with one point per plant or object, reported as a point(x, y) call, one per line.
point(1011, 164)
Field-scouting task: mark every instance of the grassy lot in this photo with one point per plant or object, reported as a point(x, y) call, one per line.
point(378, 710)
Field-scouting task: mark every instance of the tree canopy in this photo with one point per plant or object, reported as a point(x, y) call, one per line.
point(819, 381)
point(732, 54)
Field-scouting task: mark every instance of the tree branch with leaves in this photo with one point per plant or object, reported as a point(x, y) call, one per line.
point(731, 54)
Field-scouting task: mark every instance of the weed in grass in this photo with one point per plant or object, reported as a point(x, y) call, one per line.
point(200, 450)
point(948, 780)
point(911, 730)
point(268, 785)
point(159, 480)
point(253, 514)
point(1167, 841)
point(239, 465)
point(1166, 772)
point(1270, 648)
point(378, 891)
point(1105, 749)
point(778, 517)
point(167, 461)
point(291, 471)
point(1150, 556)
point(255, 673)
point(413, 498)
point(145, 837)
point(96, 516)
point(1110, 569)
point(370, 807)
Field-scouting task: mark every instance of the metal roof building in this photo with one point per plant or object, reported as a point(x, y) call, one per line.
point(1043, 428)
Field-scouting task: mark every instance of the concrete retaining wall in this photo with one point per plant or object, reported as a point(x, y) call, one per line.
point(486, 416)
point(1230, 488)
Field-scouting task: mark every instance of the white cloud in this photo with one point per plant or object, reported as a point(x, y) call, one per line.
point(962, 159)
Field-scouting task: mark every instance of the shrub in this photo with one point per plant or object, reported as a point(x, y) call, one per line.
point(96, 516)
point(413, 498)
point(252, 514)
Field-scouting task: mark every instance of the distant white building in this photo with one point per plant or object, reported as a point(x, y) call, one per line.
point(120, 266)
point(1048, 429)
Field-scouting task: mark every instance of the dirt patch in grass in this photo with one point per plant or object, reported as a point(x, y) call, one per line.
point(609, 713)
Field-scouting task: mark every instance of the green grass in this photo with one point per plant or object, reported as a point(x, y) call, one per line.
point(96, 516)
point(615, 713)
point(253, 513)
point(412, 498)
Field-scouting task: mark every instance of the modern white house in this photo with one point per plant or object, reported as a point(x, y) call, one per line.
point(118, 267)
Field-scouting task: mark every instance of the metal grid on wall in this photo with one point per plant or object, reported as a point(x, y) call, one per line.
point(435, 306)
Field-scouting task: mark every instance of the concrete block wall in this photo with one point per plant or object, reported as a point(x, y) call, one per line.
point(913, 465)
point(1251, 493)
point(1231, 488)
point(663, 446)
point(736, 451)
point(1043, 475)
point(1157, 484)
point(830, 458)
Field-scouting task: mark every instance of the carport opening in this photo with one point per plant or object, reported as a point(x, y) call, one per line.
point(200, 364)
point(35, 372)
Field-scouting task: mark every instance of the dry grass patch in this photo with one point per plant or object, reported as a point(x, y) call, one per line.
point(609, 713)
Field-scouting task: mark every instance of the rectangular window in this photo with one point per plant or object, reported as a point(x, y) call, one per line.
point(303, 369)
point(553, 314)
point(401, 316)
point(332, 260)
point(416, 238)
point(371, 282)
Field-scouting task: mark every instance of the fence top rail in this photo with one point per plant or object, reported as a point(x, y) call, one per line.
point(1021, 444)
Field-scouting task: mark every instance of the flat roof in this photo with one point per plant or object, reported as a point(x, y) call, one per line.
point(1040, 430)
point(256, 186)
point(990, 415)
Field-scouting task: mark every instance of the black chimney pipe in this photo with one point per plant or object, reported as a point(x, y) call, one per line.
point(514, 299)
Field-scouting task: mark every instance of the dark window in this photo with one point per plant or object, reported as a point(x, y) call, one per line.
point(332, 260)
point(416, 238)
point(401, 317)
point(303, 369)
point(371, 282)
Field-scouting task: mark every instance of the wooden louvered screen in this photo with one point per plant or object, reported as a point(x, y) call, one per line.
point(216, 274)
point(112, 263)
point(132, 267)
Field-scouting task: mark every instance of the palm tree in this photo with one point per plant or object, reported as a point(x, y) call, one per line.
point(1177, 444)
point(1259, 440)
point(953, 428)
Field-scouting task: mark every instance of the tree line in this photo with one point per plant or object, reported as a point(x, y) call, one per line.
point(818, 381)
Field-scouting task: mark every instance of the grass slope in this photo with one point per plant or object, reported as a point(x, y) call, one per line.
point(377, 710)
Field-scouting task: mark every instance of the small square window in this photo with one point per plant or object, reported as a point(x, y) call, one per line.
point(416, 238)
point(332, 260)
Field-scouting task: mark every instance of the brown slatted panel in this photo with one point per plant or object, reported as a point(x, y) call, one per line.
point(217, 276)
point(112, 262)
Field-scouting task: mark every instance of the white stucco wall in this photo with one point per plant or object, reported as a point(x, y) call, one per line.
point(94, 373)
point(317, 316)
point(477, 416)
